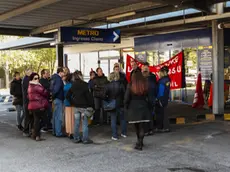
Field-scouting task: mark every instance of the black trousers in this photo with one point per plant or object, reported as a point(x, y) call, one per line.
point(139, 128)
point(162, 121)
point(98, 111)
point(38, 115)
point(28, 121)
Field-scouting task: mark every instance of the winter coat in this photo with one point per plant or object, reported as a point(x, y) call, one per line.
point(25, 85)
point(163, 90)
point(66, 89)
point(99, 83)
point(138, 108)
point(16, 91)
point(115, 90)
point(152, 81)
point(57, 87)
point(123, 79)
point(79, 95)
point(37, 95)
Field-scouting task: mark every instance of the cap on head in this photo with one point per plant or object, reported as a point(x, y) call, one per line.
point(164, 69)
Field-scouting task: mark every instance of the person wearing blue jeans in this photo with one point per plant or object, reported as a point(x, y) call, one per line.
point(79, 116)
point(20, 114)
point(123, 123)
point(57, 90)
point(81, 98)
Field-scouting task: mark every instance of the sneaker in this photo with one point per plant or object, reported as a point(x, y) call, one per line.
point(26, 134)
point(115, 139)
point(44, 130)
point(88, 141)
point(77, 141)
point(123, 135)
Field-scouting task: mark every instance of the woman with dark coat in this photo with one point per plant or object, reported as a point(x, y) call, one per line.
point(16, 91)
point(138, 103)
point(38, 103)
point(80, 97)
point(115, 90)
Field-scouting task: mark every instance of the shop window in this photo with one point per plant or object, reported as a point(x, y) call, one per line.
point(152, 58)
point(163, 56)
point(190, 60)
point(88, 61)
point(74, 62)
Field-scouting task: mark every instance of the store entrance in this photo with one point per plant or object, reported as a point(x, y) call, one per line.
point(107, 64)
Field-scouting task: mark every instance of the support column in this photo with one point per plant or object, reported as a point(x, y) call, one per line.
point(218, 64)
point(60, 55)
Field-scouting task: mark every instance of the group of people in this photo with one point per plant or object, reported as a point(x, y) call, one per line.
point(65, 99)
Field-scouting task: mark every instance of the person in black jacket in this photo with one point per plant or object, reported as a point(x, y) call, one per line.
point(16, 91)
point(80, 97)
point(99, 83)
point(45, 82)
point(138, 103)
point(123, 78)
point(28, 122)
point(152, 81)
point(135, 68)
point(115, 91)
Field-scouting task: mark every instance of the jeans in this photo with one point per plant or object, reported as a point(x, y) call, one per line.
point(162, 118)
point(78, 117)
point(98, 111)
point(20, 114)
point(57, 117)
point(113, 114)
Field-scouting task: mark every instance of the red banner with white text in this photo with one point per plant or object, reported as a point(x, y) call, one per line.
point(175, 65)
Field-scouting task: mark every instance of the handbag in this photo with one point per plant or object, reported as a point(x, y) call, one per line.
point(109, 105)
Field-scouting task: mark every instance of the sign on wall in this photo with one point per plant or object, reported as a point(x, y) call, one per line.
point(205, 61)
point(175, 65)
point(90, 35)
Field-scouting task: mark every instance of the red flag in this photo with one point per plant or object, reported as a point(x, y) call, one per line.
point(198, 101)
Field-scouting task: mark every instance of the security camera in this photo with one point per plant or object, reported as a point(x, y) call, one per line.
point(221, 26)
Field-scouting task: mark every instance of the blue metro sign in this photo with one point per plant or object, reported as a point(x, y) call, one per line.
point(90, 35)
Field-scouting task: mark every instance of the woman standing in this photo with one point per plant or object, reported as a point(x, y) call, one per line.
point(69, 111)
point(138, 103)
point(115, 91)
point(81, 98)
point(38, 103)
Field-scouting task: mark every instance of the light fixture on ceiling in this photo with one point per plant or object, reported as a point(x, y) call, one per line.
point(51, 31)
point(121, 15)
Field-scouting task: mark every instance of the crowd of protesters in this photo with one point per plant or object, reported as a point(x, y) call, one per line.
point(47, 103)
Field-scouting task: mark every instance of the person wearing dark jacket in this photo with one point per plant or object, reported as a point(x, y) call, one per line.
point(28, 122)
point(163, 90)
point(44, 81)
point(135, 68)
point(99, 83)
point(138, 104)
point(38, 103)
point(92, 75)
point(16, 91)
point(123, 78)
point(57, 91)
point(80, 97)
point(152, 82)
point(115, 91)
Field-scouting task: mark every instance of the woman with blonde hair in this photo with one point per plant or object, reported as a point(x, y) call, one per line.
point(113, 103)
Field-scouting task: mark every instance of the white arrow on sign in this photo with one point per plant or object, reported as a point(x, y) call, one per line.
point(116, 36)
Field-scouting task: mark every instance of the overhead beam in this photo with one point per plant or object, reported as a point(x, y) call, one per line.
point(100, 15)
point(27, 8)
point(14, 32)
point(180, 22)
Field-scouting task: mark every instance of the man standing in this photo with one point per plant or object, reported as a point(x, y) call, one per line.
point(44, 81)
point(134, 68)
point(57, 90)
point(152, 87)
point(28, 117)
point(99, 83)
point(16, 91)
point(123, 79)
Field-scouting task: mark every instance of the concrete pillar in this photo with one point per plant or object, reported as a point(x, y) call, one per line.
point(218, 64)
point(60, 55)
